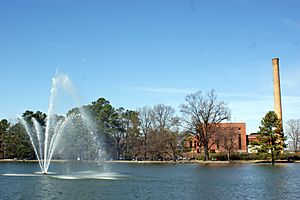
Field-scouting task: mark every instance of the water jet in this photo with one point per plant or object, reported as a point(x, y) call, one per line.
point(46, 138)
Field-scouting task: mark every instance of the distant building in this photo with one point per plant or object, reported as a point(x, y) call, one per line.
point(251, 139)
point(193, 145)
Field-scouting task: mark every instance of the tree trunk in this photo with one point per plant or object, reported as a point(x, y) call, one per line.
point(107, 144)
point(118, 153)
point(228, 156)
point(173, 151)
point(118, 150)
point(273, 160)
point(145, 149)
point(206, 155)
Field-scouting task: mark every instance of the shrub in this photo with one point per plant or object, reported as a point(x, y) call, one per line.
point(199, 156)
point(246, 156)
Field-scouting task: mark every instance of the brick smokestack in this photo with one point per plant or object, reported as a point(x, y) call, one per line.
point(277, 92)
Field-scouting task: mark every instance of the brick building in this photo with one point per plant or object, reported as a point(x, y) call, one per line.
point(251, 139)
point(238, 134)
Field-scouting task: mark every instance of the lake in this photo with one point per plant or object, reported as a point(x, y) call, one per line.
point(150, 181)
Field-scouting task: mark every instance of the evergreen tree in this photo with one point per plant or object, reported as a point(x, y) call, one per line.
point(17, 143)
point(4, 126)
point(271, 138)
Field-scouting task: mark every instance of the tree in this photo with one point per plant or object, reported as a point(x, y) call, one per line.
point(38, 115)
point(133, 141)
point(227, 141)
point(110, 127)
point(164, 125)
point(17, 143)
point(123, 125)
point(77, 141)
point(145, 126)
point(202, 114)
point(293, 132)
point(41, 118)
point(4, 126)
point(90, 131)
point(173, 143)
point(271, 137)
point(105, 117)
point(131, 124)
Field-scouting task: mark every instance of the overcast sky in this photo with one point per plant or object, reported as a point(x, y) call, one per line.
point(140, 52)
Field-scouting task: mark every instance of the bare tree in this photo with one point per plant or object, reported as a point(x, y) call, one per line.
point(203, 113)
point(163, 118)
point(164, 127)
point(173, 143)
point(145, 126)
point(227, 140)
point(293, 131)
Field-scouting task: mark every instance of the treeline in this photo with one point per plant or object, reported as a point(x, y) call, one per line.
point(149, 133)
point(14, 141)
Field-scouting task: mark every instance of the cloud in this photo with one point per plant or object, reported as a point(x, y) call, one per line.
point(185, 91)
point(265, 33)
point(245, 107)
point(243, 95)
point(291, 23)
point(290, 79)
point(251, 107)
point(164, 90)
point(291, 107)
point(250, 112)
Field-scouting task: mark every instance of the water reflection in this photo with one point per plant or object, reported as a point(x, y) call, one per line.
point(145, 181)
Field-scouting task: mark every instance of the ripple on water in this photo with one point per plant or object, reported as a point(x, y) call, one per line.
point(74, 176)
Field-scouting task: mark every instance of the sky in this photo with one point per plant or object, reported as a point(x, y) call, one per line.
point(139, 53)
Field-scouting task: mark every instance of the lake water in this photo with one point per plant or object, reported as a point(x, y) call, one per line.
point(150, 181)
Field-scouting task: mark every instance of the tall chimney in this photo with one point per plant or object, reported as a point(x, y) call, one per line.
point(277, 92)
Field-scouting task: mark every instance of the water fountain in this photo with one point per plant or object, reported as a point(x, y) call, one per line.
point(45, 139)
point(73, 138)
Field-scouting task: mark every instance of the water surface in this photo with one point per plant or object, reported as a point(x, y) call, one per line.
point(151, 181)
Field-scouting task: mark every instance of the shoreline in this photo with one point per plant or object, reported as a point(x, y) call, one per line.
point(204, 162)
point(164, 162)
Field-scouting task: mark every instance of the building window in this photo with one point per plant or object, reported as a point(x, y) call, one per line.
point(240, 142)
point(195, 144)
point(191, 144)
